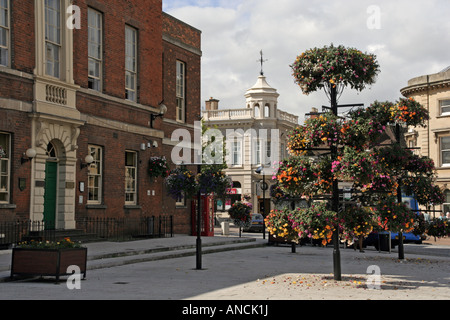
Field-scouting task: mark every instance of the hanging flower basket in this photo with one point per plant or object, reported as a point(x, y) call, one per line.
point(320, 67)
point(158, 167)
point(356, 222)
point(394, 216)
point(316, 222)
point(280, 227)
point(180, 183)
point(296, 176)
point(211, 181)
point(410, 112)
point(240, 213)
point(425, 192)
point(437, 228)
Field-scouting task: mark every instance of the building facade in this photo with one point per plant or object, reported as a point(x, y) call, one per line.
point(83, 88)
point(433, 92)
point(255, 138)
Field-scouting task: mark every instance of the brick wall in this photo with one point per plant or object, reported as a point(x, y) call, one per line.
point(145, 16)
point(10, 120)
point(156, 82)
point(22, 35)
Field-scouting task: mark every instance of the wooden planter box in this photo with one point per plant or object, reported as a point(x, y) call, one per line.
point(47, 262)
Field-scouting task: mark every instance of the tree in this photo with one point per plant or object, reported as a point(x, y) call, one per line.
point(361, 151)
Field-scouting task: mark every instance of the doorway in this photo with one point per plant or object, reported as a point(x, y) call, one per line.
point(51, 178)
point(51, 187)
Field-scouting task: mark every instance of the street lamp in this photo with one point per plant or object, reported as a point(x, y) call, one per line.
point(264, 187)
point(162, 112)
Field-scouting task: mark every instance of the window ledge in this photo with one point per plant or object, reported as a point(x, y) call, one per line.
point(7, 206)
point(96, 206)
point(132, 206)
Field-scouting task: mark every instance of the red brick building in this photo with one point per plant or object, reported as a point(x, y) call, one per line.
point(85, 81)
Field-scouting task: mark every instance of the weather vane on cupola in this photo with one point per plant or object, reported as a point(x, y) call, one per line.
point(261, 60)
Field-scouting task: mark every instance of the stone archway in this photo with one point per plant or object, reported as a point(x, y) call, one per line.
point(56, 146)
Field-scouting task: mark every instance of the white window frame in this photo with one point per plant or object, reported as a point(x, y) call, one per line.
point(5, 27)
point(5, 170)
point(258, 152)
point(441, 151)
point(131, 179)
point(444, 103)
point(95, 49)
point(268, 153)
point(446, 204)
point(236, 153)
point(53, 57)
point(181, 202)
point(131, 59)
point(95, 175)
point(181, 91)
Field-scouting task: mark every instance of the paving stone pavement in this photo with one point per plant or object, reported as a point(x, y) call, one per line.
point(244, 268)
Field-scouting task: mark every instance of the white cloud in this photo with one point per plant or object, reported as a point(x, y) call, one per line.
point(412, 40)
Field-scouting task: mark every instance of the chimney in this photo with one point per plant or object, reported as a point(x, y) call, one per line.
point(313, 113)
point(212, 104)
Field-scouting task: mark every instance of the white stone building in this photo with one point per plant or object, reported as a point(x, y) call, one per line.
point(259, 132)
point(433, 92)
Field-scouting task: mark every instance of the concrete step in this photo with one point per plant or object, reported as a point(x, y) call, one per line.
point(97, 262)
point(119, 255)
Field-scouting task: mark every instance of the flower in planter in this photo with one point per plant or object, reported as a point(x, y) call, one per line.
point(66, 243)
point(158, 167)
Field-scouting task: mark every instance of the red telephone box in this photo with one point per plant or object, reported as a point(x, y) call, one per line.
point(207, 216)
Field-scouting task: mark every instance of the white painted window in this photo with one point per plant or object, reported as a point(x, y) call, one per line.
point(445, 107)
point(180, 91)
point(445, 151)
point(95, 49)
point(130, 177)
point(5, 167)
point(236, 153)
point(53, 37)
point(4, 33)
point(130, 63)
point(95, 175)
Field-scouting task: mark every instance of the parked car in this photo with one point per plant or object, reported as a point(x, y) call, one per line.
point(257, 223)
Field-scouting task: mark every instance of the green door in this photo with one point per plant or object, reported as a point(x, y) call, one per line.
point(51, 171)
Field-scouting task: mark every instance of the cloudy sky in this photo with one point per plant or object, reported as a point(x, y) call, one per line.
point(409, 37)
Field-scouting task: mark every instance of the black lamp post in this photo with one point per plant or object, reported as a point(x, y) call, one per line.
point(199, 226)
point(264, 187)
point(335, 196)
